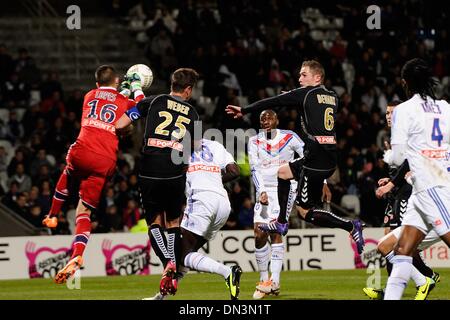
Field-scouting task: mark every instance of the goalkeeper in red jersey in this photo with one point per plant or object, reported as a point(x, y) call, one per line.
point(91, 160)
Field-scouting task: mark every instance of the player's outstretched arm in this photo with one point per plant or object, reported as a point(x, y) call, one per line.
point(381, 191)
point(293, 98)
point(234, 111)
point(123, 122)
point(128, 117)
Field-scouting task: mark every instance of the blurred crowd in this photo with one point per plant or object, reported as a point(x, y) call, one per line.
point(244, 51)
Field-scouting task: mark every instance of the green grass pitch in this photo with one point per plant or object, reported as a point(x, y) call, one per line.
point(317, 285)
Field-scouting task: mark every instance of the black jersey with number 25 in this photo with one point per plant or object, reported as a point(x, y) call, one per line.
point(169, 131)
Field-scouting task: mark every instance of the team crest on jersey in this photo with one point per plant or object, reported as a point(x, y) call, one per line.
point(124, 260)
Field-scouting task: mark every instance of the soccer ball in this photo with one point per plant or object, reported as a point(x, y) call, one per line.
point(144, 72)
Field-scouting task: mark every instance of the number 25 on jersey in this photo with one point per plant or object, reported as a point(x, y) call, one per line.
point(179, 123)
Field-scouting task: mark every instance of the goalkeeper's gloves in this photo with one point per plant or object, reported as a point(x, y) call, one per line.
point(135, 82)
point(125, 87)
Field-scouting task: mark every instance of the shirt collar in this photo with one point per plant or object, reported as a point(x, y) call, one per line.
point(109, 88)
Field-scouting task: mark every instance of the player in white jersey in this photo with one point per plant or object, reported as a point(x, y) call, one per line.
point(397, 191)
point(207, 210)
point(420, 134)
point(267, 151)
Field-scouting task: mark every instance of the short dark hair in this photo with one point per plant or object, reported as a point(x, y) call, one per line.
point(183, 78)
point(269, 111)
point(394, 103)
point(105, 75)
point(419, 78)
point(315, 67)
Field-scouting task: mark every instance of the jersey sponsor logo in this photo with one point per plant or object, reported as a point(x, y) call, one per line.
point(266, 163)
point(203, 167)
point(325, 139)
point(434, 154)
point(90, 122)
point(158, 143)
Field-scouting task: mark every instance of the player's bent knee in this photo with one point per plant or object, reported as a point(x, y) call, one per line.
point(386, 244)
point(402, 250)
point(260, 237)
point(302, 212)
point(276, 238)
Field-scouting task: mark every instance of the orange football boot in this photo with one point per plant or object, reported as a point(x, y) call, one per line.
point(69, 270)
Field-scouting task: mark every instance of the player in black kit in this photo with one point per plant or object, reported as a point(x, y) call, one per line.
point(167, 146)
point(317, 108)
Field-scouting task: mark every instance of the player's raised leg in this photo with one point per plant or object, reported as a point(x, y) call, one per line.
point(309, 197)
point(60, 196)
point(82, 233)
point(197, 261)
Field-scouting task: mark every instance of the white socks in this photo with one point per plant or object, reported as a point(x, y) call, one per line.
point(276, 255)
point(199, 262)
point(400, 275)
point(262, 260)
point(417, 277)
point(276, 262)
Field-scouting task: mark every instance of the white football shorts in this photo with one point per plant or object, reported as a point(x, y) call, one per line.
point(206, 213)
point(429, 210)
point(430, 239)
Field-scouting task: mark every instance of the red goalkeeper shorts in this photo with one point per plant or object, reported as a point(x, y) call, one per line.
point(92, 171)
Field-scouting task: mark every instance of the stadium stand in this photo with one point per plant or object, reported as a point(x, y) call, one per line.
point(243, 51)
